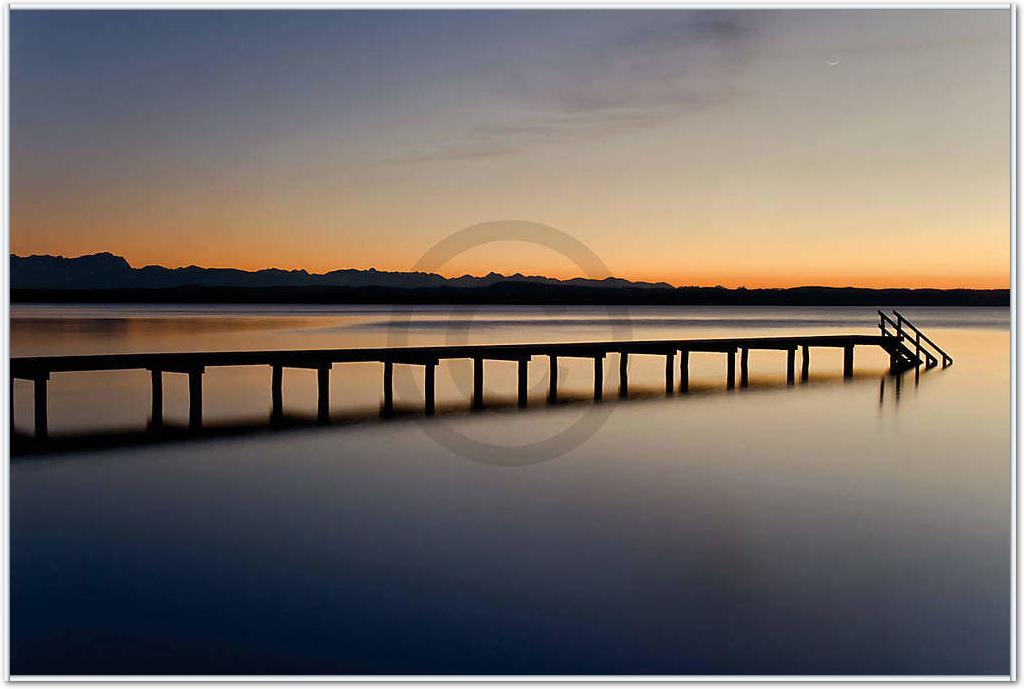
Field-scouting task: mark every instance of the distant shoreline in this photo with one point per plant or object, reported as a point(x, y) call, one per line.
point(522, 294)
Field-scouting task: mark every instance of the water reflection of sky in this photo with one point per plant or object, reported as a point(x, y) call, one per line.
point(825, 528)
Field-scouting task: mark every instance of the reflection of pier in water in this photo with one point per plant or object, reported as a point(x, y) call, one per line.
point(906, 346)
point(896, 382)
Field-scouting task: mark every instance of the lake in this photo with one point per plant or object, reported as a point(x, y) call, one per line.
point(829, 527)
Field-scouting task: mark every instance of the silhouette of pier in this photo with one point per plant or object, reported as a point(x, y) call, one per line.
point(894, 338)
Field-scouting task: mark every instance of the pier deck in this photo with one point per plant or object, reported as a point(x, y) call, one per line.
point(194, 364)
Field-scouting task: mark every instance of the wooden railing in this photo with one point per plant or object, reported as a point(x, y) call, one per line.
point(913, 338)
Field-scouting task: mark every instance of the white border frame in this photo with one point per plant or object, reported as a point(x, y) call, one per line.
point(523, 4)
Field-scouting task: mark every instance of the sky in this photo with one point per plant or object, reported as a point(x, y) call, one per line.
point(699, 147)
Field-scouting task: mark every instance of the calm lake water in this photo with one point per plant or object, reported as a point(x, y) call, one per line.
point(830, 527)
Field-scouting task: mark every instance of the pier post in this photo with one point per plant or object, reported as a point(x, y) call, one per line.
point(428, 388)
point(670, 370)
point(195, 399)
point(276, 398)
point(42, 429)
point(389, 388)
point(790, 366)
point(523, 378)
point(623, 374)
point(684, 370)
point(323, 394)
point(730, 369)
point(156, 412)
point(478, 383)
point(805, 363)
point(744, 368)
point(848, 361)
point(598, 378)
point(552, 378)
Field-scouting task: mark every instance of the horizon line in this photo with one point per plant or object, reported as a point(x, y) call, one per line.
point(659, 283)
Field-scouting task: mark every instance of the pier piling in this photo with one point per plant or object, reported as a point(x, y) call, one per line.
point(552, 378)
point(598, 378)
point(623, 375)
point(730, 369)
point(389, 387)
point(790, 366)
point(39, 392)
point(156, 413)
point(195, 399)
point(323, 394)
point(744, 367)
point(670, 368)
point(848, 361)
point(684, 370)
point(523, 380)
point(428, 388)
point(805, 363)
point(276, 396)
point(478, 383)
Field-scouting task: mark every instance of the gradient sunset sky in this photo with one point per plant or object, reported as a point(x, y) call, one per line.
point(747, 147)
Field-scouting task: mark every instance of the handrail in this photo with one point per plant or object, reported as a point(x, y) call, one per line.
point(901, 336)
point(885, 319)
point(913, 358)
point(903, 319)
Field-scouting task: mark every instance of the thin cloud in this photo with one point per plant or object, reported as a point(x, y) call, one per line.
point(634, 78)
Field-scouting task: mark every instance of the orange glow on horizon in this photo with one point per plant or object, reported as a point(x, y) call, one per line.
point(704, 278)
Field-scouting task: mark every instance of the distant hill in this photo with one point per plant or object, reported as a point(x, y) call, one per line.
point(105, 277)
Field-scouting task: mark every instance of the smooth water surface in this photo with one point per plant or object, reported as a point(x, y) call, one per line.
point(830, 527)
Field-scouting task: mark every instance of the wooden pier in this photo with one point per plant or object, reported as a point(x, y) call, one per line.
point(906, 346)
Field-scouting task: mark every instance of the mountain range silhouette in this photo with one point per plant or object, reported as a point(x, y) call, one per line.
point(109, 271)
point(106, 277)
